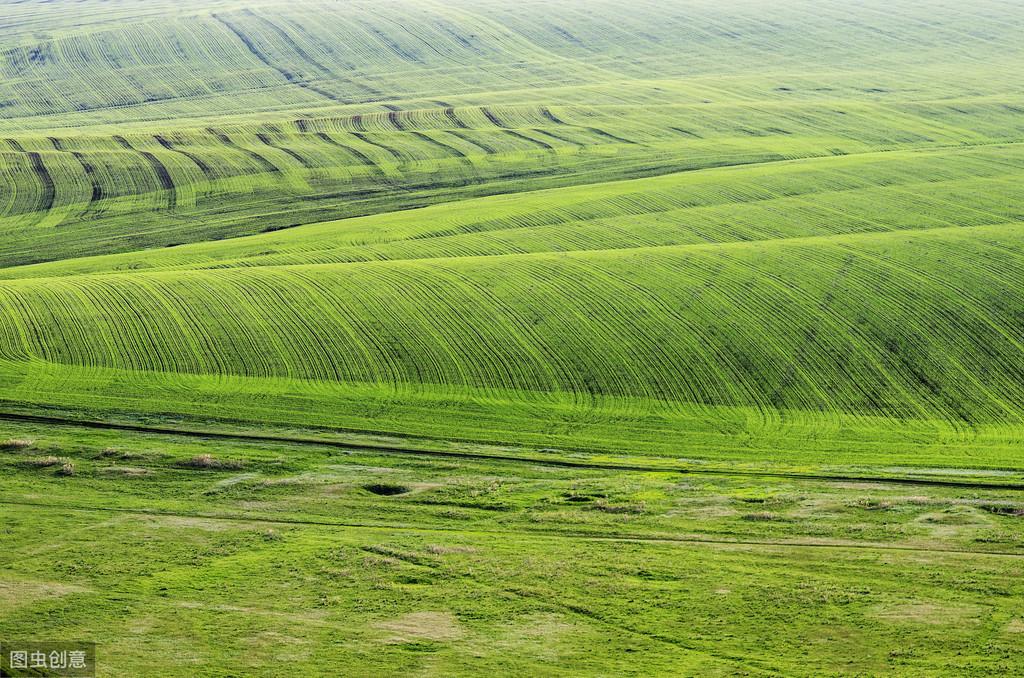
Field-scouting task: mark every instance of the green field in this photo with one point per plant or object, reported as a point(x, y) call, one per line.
point(528, 338)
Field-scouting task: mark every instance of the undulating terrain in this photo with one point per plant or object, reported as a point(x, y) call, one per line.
point(516, 337)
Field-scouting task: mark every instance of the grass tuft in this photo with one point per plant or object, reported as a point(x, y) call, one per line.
point(208, 461)
point(12, 444)
point(760, 516)
point(44, 462)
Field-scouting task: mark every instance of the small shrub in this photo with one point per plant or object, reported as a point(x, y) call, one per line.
point(201, 461)
point(873, 504)
point(207, 461)
point(43, 462)
point(1003, 509)
point(66, 469)
point(127, 471)
point(603, 505)
point(114, 453)
point(441, 549)
point(760, 516)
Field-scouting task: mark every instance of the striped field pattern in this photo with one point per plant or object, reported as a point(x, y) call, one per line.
point(690, 229)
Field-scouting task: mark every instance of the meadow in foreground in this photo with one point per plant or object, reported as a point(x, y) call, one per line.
point(244, 558)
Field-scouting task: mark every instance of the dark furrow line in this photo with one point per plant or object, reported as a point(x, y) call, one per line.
point(546, 112)
point(362, 157)
point(454, 119)
point(49, 190)
point(298, 158)
point(538, 142)
point(451, 151)
point(540, 533)
point(335, 75)
point(260, 160)
point(287, 39)
point(200, 163)
point(287, 75)
point(686, 133)
point(519, 459)
point(162, 175)
point(492, 117)
point(90, 171)
point(16, 145)
point(490, 150)
point(661, 169)
point(564, 140)
point(607, 135)
point(390, 44)
point(362, 137)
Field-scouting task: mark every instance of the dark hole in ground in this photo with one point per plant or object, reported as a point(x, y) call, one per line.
point(386, 490)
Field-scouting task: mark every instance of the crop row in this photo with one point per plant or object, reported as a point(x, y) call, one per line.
point(818, 197)
point(189, 59)
point(181, 186)
point(872, 325)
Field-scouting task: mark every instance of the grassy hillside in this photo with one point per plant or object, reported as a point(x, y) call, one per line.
point(195, 122)
point(435, 302)
point(722, 233)
point(808, 300)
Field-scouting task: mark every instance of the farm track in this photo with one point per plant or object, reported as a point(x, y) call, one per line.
point(537, 533)
point(505, 458)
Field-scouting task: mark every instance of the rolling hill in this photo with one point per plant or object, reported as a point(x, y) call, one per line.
point(718, 240)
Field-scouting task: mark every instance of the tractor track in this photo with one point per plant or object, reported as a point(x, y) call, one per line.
point(533, 533)
point(509, 458)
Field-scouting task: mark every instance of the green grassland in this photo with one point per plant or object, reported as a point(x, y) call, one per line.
point(195, 557)
point(530, 263)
